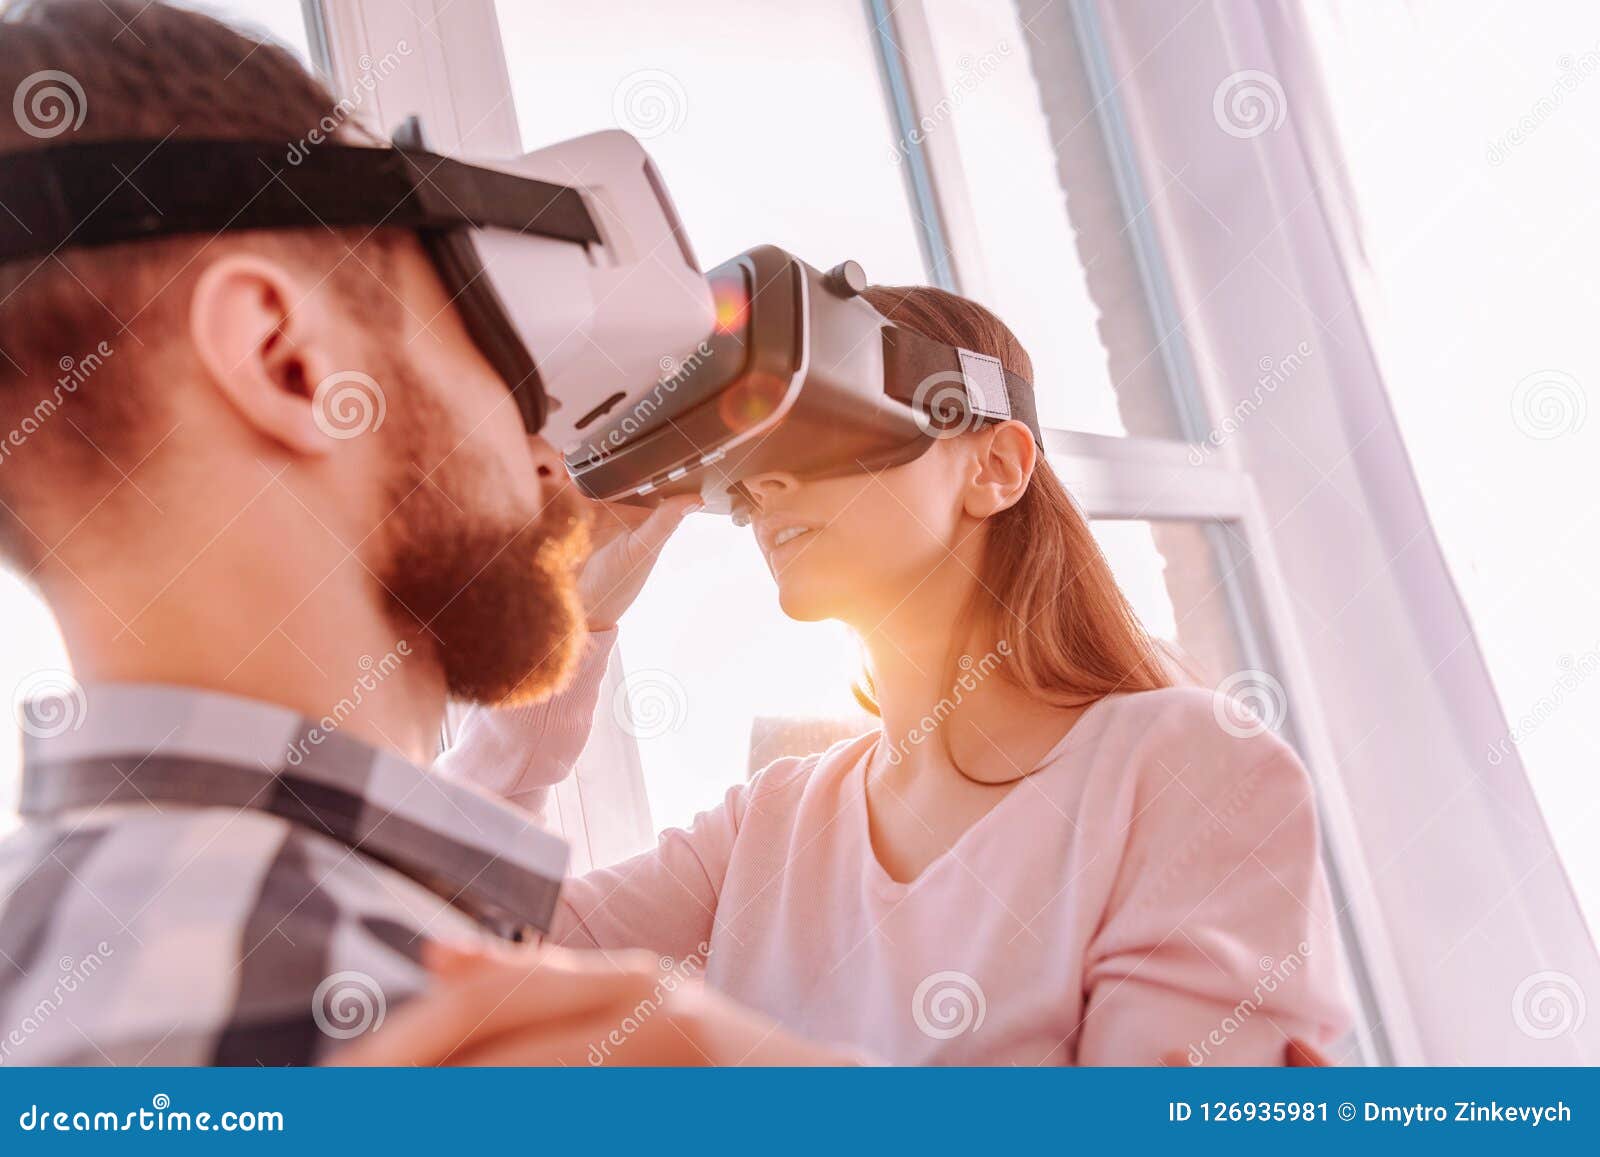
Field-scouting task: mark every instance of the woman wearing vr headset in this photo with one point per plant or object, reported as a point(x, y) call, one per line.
point(1050, 851)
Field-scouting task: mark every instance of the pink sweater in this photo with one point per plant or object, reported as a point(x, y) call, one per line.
point(1156, 886)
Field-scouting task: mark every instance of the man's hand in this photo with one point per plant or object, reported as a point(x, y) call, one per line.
point(627, 540)
point(552, 1006)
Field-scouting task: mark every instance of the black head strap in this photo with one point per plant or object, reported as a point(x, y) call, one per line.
point(953, 385)
point(105, 192)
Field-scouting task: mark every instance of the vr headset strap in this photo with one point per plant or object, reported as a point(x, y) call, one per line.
point(106, 192)
point(915, 369)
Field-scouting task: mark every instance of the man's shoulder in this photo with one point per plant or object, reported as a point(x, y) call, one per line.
point(178, 935)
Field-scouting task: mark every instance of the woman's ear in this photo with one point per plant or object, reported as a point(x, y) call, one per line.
point(254, 338)
point(1005, 457)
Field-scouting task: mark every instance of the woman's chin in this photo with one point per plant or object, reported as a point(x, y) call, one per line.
point(805, 604)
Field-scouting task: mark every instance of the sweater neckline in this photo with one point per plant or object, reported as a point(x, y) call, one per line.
point(878, 876)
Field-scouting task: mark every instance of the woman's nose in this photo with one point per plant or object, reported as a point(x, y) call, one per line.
point(767, 486)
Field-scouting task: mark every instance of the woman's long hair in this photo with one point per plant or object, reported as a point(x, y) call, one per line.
point(1044, 585)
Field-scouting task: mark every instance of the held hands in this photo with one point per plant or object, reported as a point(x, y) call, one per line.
point(627, 541)
point(553, 1006)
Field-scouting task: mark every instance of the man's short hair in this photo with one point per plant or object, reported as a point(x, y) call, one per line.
point(83, 332)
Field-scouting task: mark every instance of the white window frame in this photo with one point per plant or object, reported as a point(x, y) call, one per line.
point(1394, 911)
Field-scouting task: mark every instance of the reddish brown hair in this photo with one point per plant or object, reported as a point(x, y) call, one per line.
point(138, 71)
point(1045, 586)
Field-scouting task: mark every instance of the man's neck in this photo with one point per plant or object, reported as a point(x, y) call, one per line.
point(335, 653)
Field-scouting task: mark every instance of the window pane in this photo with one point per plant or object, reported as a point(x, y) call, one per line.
point(1029, 137)
point(1480, 232)
point(767, 121)
point(281, 20)
point(770, 126)
point(1174, 576)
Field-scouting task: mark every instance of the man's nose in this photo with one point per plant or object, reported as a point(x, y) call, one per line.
point(547, 460)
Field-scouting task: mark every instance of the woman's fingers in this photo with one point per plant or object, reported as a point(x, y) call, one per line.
point(618, 566)
point(1299, 1054)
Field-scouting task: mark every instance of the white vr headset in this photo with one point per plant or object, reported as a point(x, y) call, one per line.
point(574, 277)
point(569, 265)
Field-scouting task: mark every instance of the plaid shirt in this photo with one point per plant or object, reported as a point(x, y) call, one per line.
point(203, 879)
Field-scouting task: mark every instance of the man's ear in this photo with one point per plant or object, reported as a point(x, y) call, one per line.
point(1005, 457)
point(259, 344)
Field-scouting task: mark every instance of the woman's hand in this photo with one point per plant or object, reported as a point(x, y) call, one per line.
point(552, 1006)
point(627, 540)
point(1297, 1054)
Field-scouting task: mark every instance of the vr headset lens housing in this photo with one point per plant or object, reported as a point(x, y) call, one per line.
point(800, 375)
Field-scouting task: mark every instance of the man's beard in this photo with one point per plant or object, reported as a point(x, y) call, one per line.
point(494, 596)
